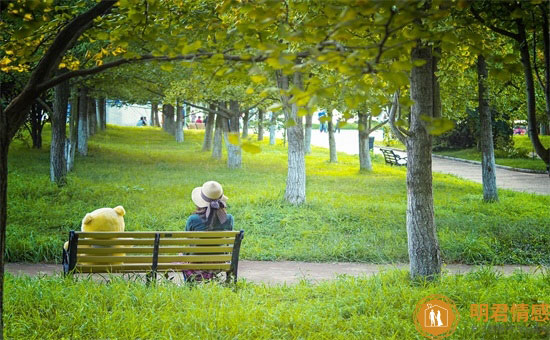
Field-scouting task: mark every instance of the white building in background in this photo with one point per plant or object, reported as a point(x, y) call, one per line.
point(127, 115)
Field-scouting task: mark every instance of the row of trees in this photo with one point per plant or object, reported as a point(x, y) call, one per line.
point(362, 56)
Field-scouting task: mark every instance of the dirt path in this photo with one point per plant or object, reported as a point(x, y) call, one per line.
point(287, 271)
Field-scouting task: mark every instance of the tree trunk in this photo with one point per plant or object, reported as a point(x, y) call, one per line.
point(58, 163)
point(83, 122)
point(168, 123)
point(486, 135)
point(295, 192)
point(365, 163)
point(209, 129)
point(260, 125)
point(234, 157)
point(71, 143)
point(245, 124)
point(154, 108)
point(523, 45)
point(179, 125)
point(102, 108)
point(424, 252)
point(309, 123)
point(331, 140)
point(4, 146)
point(35, 116)
point(272, 128)
point(92, 117)
point(218, 136)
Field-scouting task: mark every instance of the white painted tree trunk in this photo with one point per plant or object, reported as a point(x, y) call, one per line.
point(71, 144)
point(424, 252)
point(365, 163)
point(331, 140)
point(234, 156)
point(272, 128)
point(83, 122)
point(245, 124)
point(260, 125)
point(179, 125)
point(295, 192)
point(208, 131)
point(488, 174)
point(307, 141)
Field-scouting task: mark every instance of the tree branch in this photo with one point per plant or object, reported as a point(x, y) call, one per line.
point(379, 125)
point(400, 134)
point(207, 109)
point(44, 105)
point(512, 35)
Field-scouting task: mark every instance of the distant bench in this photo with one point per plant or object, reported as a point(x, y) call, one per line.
point(392, 158)
point(152, 252)
point(195, 126)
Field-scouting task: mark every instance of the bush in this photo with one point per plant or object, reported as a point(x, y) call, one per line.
point(466, 133)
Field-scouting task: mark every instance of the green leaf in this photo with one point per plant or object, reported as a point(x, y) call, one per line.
point(191, 47)
point(275, 107)
point(290, 123)
point(233, 138)
point(251, 148)
point(437, 126)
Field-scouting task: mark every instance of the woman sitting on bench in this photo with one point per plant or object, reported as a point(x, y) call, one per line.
point(209, 216)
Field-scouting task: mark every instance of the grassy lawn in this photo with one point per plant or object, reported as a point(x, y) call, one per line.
point(349, 216)
point(379, 307)
point(520, 142)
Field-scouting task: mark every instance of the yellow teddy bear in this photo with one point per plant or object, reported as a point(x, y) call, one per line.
point(104, 219)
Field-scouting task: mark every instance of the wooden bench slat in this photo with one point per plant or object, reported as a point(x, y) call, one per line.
point(151, 234)
point(166, 241)
point(144, 268)
point(149, 259)
point(149, 250)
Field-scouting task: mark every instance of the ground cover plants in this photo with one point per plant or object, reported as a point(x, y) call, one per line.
point(378, 307)
point(349, 216)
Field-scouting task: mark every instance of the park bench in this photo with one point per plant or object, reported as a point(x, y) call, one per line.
point(392, 158)
point(152, 252)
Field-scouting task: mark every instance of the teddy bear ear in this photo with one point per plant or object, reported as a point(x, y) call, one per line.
point(120, 210)
point(87, 219)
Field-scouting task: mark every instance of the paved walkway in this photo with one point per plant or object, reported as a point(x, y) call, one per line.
point(288, 272)
point(346, 141)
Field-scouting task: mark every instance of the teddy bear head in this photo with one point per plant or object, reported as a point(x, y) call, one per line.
point(104, 219)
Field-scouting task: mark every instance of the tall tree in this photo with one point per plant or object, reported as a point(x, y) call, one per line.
point(83, 121)
point(331, 140)
point(490, 192)
point(102, 113)
point(424, 252)
point(260, 124)
point(168, 123)
point(295, 191)
point(209, 129)
point(234, 157)
point(58, 163)
point(179, 124)
point(272, 128)
point(307, 139)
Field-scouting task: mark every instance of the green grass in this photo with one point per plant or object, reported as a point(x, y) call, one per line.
point(379, 307)
point(521, 143)
point(349, 216)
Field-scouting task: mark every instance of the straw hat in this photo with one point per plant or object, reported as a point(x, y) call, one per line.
point(212, 190)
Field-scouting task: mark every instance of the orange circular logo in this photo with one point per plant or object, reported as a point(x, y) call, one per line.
point(436, 316)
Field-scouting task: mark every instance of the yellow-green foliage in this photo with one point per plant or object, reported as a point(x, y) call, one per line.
point(379, 307)
point(349, 216)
